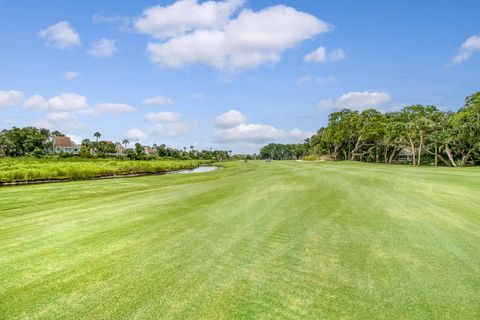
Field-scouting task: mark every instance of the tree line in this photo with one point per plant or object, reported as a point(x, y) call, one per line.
point(38, 142)
point(429, 135)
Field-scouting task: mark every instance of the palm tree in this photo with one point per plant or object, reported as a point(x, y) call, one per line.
point(230, 153)
point(56, 133)
point(97, 135)
point(86, 143)
point(125, 142)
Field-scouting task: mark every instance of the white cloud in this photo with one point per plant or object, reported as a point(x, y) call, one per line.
point(230, 119)
point(169, 124)
point(247, 41)
point(356, 100)
point(90, 112)
point(157, 101)
point(123, 23)
point(300, 135)
point(135, 135)
point(233, 128)
point(10, 98)
point(184, 16)
point(103, 48)
point(75, 104)
point(115, 108)
point(470, 47)
point(69, 75)
point(36, 102)
point(62, 102)
point(163, 117)
point(58, 121)
point(322, 56)
point(253, 133)
point(60, 36)
point(68, 101)
point(173, 129)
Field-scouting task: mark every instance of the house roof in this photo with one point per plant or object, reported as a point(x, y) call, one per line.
point(405, 152)
point(63, 142)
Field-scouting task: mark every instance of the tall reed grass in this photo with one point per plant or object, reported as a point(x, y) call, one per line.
point(32, 169)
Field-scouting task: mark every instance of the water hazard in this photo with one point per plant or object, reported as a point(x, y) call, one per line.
point(200, 169)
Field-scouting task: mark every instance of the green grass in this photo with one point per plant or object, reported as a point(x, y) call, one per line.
point(32, 169)
point(259, 240)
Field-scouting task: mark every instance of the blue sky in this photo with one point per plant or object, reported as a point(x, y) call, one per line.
point(228, 74)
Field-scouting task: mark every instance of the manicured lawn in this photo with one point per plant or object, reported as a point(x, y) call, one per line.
point(260, 240)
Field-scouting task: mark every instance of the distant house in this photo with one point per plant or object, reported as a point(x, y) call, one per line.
point(64, 145)
point(149, 150)
point(119, 149)
point(405, 155)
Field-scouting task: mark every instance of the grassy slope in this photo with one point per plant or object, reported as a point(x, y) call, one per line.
point(277, 240)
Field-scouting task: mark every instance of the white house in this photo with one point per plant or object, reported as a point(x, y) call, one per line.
point(405, 155)
point(64, 144)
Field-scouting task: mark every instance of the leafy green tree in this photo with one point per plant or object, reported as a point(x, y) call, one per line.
point(467, 128)
point(339, 131)
point(23, 141)
point(139, 150)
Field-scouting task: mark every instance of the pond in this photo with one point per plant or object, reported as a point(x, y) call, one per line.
point(200, 169)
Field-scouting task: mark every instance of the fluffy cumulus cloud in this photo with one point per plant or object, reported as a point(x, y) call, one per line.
point(69, 75)
point(61, 36)
point(115, 108)
point(135, 135)
point(169, 124)
point(163, 116)
point(356, 100)
point(184, 16)
point(250, 133)
point(157, 101)
point(223, 36)
point(233, 128)
point(62, 102)
point(59, 121)
point(103, 48)
point(36, 102)
point(10, 98)
point(470, 47)
point(321, 55)
point(173, 129)
point(230, 119)
point(74, 103)
point(300, 135)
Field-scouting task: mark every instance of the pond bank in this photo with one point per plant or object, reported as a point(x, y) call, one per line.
point(199, 169)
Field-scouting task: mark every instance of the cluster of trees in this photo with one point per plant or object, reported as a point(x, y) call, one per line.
point(18, 142)
point(277, 151)
point(426, 133)
point(31, 141)
point(219, 155)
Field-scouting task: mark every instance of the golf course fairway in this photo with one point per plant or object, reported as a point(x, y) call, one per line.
point(279, 240)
